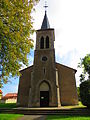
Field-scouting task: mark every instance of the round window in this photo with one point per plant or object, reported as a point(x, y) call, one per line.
point(44, 58)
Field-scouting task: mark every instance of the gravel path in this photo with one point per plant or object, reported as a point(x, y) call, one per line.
point(33, 117)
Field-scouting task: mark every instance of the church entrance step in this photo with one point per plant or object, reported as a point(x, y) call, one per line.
point(27, 111)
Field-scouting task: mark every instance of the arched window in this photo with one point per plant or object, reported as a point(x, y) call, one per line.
point(47, 42)
point(44, 86)
point(42, 43)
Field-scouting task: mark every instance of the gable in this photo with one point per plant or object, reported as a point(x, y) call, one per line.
point(26, 70)
point(58, 65)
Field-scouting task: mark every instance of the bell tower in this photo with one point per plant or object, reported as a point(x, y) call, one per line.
point(43, 92)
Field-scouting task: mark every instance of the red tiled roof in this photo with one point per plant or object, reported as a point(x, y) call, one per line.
point(0, 91)
point(10, 95)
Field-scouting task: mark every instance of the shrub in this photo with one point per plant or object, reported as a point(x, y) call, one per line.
point(85, 93)
point(78, 92)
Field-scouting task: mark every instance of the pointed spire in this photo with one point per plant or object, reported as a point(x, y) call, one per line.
point(45, 23)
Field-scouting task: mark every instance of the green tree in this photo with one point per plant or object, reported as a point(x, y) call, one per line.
point(85, 65)
point(85, 81)
point(85, 93)
point(78, 92)
point(16, 27)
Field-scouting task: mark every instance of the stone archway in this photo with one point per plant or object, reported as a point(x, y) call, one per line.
point(44, 94)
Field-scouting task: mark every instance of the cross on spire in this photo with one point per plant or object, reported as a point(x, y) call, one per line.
point(45, 6)
point(45, 23)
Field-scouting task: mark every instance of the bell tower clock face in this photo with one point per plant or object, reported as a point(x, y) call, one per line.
point(44, 58)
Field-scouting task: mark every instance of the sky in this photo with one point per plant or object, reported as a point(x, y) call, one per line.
point(71, 21)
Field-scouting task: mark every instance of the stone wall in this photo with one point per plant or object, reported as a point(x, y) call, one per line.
point(43, 71)
point(24, 87)
point(67, 85)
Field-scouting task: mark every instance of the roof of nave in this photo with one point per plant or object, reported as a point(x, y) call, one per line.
point(30, 67)
point(66, 67)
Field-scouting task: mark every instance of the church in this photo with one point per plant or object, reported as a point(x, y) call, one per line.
point(46, 83)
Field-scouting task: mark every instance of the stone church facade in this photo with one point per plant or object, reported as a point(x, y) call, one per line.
point(46, 83)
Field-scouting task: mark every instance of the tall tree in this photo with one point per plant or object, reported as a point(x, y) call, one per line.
point(16, 27)
point(85, 65)
point(85, 81)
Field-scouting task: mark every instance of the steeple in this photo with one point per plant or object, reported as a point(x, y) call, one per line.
point(45, 23)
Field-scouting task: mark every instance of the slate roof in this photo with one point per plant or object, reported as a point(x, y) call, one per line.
point(45, 23)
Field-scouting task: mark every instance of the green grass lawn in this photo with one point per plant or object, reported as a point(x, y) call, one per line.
point(9, 116)
point(60, 117)
point(49, 117)
point(80, 105)
point(8, 105)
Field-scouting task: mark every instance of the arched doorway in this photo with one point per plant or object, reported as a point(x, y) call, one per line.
point(44, 94)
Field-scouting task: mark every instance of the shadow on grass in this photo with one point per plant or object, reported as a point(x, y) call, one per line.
point(76, 107)
point(8, 105)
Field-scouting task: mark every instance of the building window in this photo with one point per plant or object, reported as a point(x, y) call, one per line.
point(47, 42)
point(44, 58)
point(44, 71)
point(42, 43)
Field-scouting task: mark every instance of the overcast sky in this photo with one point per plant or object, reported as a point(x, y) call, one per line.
point(71, 21)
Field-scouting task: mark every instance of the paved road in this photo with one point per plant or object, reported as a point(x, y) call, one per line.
point(33, 117)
